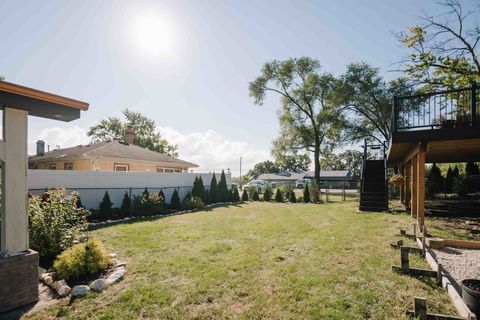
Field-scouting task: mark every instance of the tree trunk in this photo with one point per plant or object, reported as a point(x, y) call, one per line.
point(316, 160)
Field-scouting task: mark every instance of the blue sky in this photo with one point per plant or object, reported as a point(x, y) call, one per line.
point(187, 64)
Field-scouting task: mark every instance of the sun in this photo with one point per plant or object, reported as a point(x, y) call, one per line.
point(152, 34)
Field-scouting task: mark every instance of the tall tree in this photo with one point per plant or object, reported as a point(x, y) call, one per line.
point(223, 188)
point(113, 128)
point(348, 160)
point(308, 119)
point(213, 192)
point(290, 161)
point(444, 48)
point(366, 98)
point(261, 168)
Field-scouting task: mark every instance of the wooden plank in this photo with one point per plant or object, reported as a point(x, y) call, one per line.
point(420, 308)
point(408, 188)
point(462, 244)
point(436, 316)
point(413, 208)
point(448, 284)
point(404, 261)
point(416, 272)
point(421, 186)
point(402, 187)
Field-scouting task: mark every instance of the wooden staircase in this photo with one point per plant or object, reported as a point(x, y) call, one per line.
point(374, 190)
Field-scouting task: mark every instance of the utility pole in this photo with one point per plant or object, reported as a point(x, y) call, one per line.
point(240, 173)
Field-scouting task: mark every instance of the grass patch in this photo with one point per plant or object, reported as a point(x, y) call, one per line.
point(259, 260)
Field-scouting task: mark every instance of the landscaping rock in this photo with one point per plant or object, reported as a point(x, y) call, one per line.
point(62, 288)
point(80, 290)
point(41, 272)
point(48, 280)
point(113, 255)
point(98, 285)
point(116, 275)
point(120, 264)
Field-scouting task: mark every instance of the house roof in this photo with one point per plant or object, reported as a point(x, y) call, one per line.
point(290, 176)
point(111, 149)
point(39, 103)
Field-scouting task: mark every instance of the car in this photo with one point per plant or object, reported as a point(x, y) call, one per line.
point(258, 185)
point(300, 183)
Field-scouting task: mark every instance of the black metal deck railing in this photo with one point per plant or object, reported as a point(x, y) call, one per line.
point(458, 108)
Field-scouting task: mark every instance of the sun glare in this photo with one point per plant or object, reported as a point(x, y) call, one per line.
point(152, 35)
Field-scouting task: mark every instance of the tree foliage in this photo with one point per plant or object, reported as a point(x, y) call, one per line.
point(308, 119)
point(126, 204)
point(261, 168)
point(113, 128)
point(444, 49)
point(306, 194)
point(278, 195)
point(244, 195)
point(175, 200)
point(213, 192)
point(348, 160)
point(105, 207)
point(223, 188)
point(198, 189)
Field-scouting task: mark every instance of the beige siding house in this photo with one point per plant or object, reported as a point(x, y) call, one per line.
point(106, 156)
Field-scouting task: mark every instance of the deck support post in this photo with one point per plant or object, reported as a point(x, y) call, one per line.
point(402, 187)
point(421, 186)
point(413, 207)
point(408, 189)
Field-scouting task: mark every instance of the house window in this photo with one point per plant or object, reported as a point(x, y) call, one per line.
point(168, 170)
point(178, 170)
point(120, 167)
point(68, 166)
point(52, 166)
point(159, 169)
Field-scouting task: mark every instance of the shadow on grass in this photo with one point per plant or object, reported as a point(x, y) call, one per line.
point(135, 219)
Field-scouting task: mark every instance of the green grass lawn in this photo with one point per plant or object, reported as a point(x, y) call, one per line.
point(259, 260)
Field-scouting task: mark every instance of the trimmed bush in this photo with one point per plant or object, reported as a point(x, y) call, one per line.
point(255, 196)
point(105, 207)
point(267, 195)
point(78, 203)
point(198, 189)
point(449, 180)
point(244, 195)
point(236, 195)
point(292, 198)
point(222, 188)
point(175, 200)
point(126, 205)
point(55, 224)
point(81, 260)
point(278, 196)
point(148, 204)
point(463, 185)
point(197, 203)
point(162, 195)
point(214, 194)
point(306, 194)
point(145, 193)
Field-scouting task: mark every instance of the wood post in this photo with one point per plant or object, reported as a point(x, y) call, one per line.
point(421, 186)
point(402, 187)
point(408, 189)
point(420, 308)
point(404, 262)
point(413, 207)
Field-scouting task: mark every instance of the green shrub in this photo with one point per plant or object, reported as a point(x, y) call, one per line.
point(126, 205)
point(83, 259)
point(79, 203)
point(197, 203)
point(236, 195)
point(306, 194)
point(255, 196)
point(267, 195)
point(105, 207)
point(244, 195)
point(292, 198)
point(222, 188)
point(198, 189)
point(214, 193)
point(278, 195)
point(175, 200)
point(55, 222)
point(161, 194)
point(148, 204)
point(463, 185)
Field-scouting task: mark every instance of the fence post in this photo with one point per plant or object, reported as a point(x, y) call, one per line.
point(474, 105)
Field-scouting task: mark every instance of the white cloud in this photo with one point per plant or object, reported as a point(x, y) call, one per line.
point(56, 136)
point(212, 152)
point(208, 149)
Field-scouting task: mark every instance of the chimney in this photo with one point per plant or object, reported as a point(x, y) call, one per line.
point(40, 147)
point(129, 135)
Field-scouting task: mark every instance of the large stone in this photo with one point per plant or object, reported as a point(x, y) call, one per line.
point(98, 285)
point(58, 284)
point(120, 264)
point(62, 288)
point(48, 280)
point(116, 275)
point(80, 290)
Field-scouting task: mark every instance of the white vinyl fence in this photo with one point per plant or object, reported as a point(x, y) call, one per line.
point(91, 185)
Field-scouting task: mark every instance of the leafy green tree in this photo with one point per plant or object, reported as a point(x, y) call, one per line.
point(126, 204)
point(175, 201)
point(213, 192)
point(261, 168)
point(366, 99)
point(289, 160)
point(244, 195)
point(435, 182)
point(255, 196)
point(236, 195)
point(2, 78)
point(292, 198)
point(471, 169)
point(306, 194)
point(267, 194)
point(449, 180)
point(199, 189)
point(113, 128)
point(348, 160)
point(105, 207)
point(222, 188)
point(278, 195)
point(308, 118)
point(444, 51)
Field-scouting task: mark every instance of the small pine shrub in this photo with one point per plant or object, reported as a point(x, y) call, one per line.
point(145, 193)
point(197, 203)
point(175, 201)
point(278, 196)
point(78, 203)
point(236, 195)
point(463, 185)
point(126, 205)
point(267, 195)
point(105, 207)
point(222, 188)
point(255, 196)
point(306, 194)
point(292, 198)
point(161, 194)
point(83, 259)
point(244, 195)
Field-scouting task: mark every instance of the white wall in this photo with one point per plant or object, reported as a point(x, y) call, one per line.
point(91, 185)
